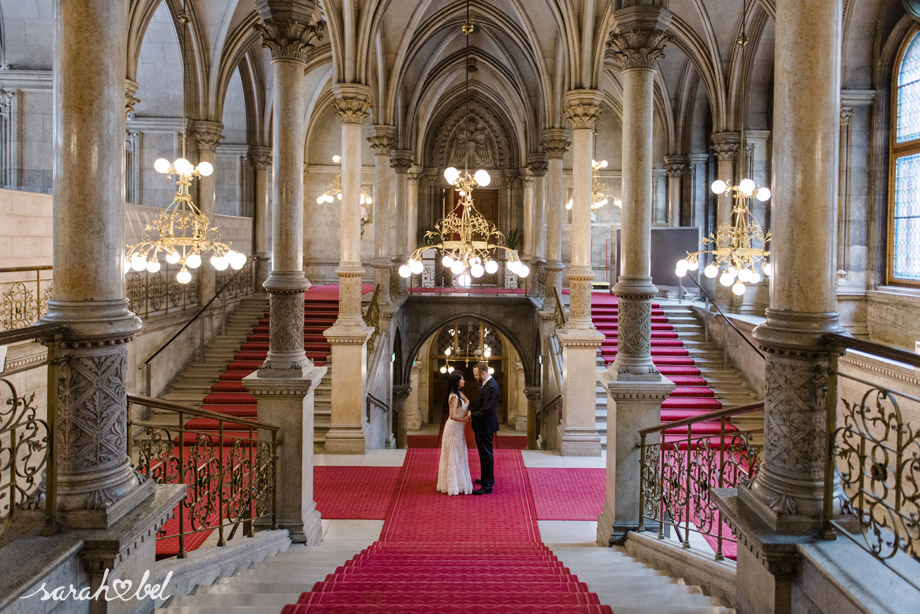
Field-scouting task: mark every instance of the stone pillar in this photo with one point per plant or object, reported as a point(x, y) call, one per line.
point(400, 406)
point(676, 166)
point(783, 504)
point(383, 142)
point(284, 383)
point(348, 429)
point(261, 158)
point(555, 143)
point(636, 46)
point(635, 388)
point(412, 178)
point(538, 166)
point(401, 162)
point(582, 108)
point(726, 145)
point(207, 136)
point(534, 396)
point(527, 248)
point(95, 484)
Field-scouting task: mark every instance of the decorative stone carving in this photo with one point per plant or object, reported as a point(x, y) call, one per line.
point(726, 146)
point(583, 115)
point(401, 160)
point(538, 164)
point(349, 297)
point(675, 169)
point(491, 146)
point(634, 333)
point(846, 116)
point(287, 321)
point(207, 134)
point(383, 144)
point(289, 40)
point(637, 49)
point(260, 157)
point(555, 143)
point(351, 110)
point(580, 301)
point(414, 174)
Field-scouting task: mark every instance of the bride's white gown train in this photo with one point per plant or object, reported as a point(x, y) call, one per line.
point(454, 467)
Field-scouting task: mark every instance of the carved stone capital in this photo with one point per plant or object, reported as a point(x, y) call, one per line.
point(726, 145)
point(401, 393)
point(527, 178)
point(538, 164)
point(383, 139)
point(583, 108)
point(401, 160)
point(207, 134)
point(846, 115)
point(260, 157)
point(533, 394)
point(352, 102)
point(289, 32)
point(676, 165)
point(639, 38)
point(555, 142)
point(130, 100)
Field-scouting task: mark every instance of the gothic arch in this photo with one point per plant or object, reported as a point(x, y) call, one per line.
point(439, 137)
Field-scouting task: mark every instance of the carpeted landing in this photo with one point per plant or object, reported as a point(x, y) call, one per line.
point(451, 555)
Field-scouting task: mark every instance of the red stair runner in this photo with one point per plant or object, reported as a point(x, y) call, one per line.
point(453, 555)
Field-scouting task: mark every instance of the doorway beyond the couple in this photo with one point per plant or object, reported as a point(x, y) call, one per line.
point(460, 344)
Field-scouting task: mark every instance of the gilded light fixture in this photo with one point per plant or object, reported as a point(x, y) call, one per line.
point(600, 192)
point(335, 189)
point(738, 246)
point(184, 233)
point(452, 353)
point(467, 240)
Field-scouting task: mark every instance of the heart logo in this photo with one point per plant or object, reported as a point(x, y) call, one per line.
point(121, 588)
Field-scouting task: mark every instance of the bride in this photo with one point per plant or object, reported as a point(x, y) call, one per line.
point(454, 467)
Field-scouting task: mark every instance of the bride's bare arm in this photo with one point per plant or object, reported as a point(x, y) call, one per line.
point(456, 411)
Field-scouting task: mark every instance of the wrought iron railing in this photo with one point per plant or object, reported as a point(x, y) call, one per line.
point(874, 453)
point(230, 468)
point(24, 301)
point(27, 472)
point(157, 293)
point(437, 276)
point(677, 471)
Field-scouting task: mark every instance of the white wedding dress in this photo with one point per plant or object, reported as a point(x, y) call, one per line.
point(454, 467)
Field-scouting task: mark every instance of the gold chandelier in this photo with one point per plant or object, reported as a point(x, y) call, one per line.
point(452, 353)
point(600, 192)
point(184, 234)
point(738, 249)
point(468, 242)
point(335, 189)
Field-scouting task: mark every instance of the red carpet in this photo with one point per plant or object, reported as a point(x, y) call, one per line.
point(568, 494)
point(354, 492)
point(453, 555)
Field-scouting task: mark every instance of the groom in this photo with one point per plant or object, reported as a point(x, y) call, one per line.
point(484, 419)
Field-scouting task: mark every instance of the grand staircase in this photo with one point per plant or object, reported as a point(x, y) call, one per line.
point(682, 354)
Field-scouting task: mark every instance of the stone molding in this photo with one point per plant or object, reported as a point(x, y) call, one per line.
point(293, 38)
point(637, 49)
point(555, 142)
point(583, 108)
point(352, 102)
point(207, 134)
point(260, 157)
point(298, 387)
point(533, 394)
point(538, 163)
point(401, 160)
point(414, 174)
point(527, 177)
point(796, 333)
point(676, 165)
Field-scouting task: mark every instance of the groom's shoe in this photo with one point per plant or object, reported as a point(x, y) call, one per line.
point(478, 481)
point(485, 490)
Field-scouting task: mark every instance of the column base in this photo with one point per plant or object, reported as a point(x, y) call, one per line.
point(786, 505)
point(107, 516)
point(578, 430)
point(348, 430)
point(631, 407)
point(288, 403)
point(579, 440)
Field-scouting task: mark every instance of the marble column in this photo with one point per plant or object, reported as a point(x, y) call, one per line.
point(261, 159)
point(348, 429)
point(635, 388)
point(538, 166)
point(527, 247)
point(207, 136)
point(412, 178)
point(555, 143)
point(676, 166)
point(383, 142)
point(95, 484)
point(401, 161)
point(284, 384)
point(726, 145)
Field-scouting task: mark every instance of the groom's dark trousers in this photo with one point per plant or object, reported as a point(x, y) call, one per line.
point(484, 419)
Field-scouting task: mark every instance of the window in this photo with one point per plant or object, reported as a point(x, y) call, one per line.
point(904, 208)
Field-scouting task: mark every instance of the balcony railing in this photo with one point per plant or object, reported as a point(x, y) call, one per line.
point(24, 298)
point(230, 466)
point(874, 454)
point(677, 471)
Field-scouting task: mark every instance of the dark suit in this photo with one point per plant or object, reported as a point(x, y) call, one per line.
point(484, 420)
